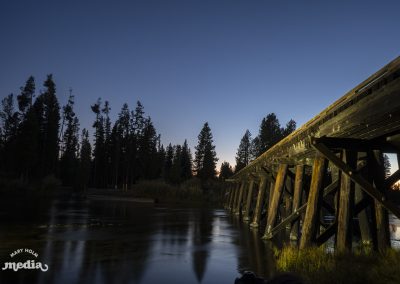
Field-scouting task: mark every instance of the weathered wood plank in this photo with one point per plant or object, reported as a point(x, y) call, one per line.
point(313, 203)
point(298, 190)
point(235, 197)
point(355, 115)
point(240, 197)
point(260, 201)
point(357, 178)
point(276, 197)
point(346, 206)
point(246, 215)
point(381, 214)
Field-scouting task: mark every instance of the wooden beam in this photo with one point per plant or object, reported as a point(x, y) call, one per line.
point(274, 203)
point(298, 190)
point(297, 213)
point(327, 234)
point(346, 206)
point(359, 145)
point(381, 214)
point(260, 201)
point(357, 178)
point(313, 203)
point(246, 215)
point(240, 197)
point(388, 183)
point(235, 197)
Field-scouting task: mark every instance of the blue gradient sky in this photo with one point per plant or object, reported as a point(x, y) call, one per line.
point(226, 62)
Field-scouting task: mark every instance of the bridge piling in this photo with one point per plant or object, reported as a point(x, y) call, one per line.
point(364, 215)
point(274, 202)
point(247, 208)
point(360, 126)
point(298, 191)
point(381, 214)
point(260, 201)
point(240, 197)
point(311, 218)
point(346, 205)
point(236, 196)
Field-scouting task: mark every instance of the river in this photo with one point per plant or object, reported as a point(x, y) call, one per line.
point(84, 241)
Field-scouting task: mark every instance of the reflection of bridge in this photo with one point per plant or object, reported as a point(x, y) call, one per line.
point(332, 164)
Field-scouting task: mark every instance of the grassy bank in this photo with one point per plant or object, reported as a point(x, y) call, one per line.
point(315, 265)
point(193, 190)
point(14, 187)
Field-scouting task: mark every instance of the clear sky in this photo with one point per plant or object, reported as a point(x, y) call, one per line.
point(226, 62)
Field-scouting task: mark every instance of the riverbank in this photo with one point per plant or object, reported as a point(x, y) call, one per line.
point(316, 265)
point(193, 191)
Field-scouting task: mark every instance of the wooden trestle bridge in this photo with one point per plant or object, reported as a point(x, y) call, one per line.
point(333, 165)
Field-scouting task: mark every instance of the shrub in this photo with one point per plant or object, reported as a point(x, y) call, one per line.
point(316, 265)
point(50, 183)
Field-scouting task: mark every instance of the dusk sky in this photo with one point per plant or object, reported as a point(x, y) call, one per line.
point(226, 62)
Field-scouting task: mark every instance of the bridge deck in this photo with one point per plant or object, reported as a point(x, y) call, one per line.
point(370, 110)
point(345, 145)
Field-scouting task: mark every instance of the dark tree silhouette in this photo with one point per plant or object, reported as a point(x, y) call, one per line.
point(48, 111)
point(270, 133)
point(85, 161)
point(243, 155)
point(225, 171)
point(205, 156)
point(69, 145)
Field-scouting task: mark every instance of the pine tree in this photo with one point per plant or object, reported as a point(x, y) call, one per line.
point(186, 162)
point(98, 151)
point(85, 160)
point(28, 133)
point(205, 156)
point(290, 127)
point(48, 113)
point(243, 155)
point(270, 133)
point(147, 152)
point(169, 156)
point(115, 152)
point(70, 144)
point(107, 143)
point(9, 120)
point(225, 171)
point(25, 99)
point(176, 170)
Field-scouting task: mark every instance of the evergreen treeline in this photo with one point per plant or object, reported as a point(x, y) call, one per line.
point(39, 139)
point(270, 133)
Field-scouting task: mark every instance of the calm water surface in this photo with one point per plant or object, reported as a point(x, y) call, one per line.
point(124, 242)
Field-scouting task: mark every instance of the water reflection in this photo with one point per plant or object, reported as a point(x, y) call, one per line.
point(123, 242)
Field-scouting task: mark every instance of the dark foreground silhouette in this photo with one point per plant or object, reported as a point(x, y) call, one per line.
point(285, 278)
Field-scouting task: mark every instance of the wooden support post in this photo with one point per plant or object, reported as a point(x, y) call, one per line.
point(240, 197)
point(260, 201)
point(288, 197)
point(246, 216)
point(274, 203)
point(363, 215)
point(298, 190)
point(381, 214)
point(346, 206)
point(270, 194)
point(313, 203)
point(231, 195)
point(234, 197)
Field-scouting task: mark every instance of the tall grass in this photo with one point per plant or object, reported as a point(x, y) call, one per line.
point(192, 190)
point(316, 265)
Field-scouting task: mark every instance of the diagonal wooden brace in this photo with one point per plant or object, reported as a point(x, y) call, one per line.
point(355, 177)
